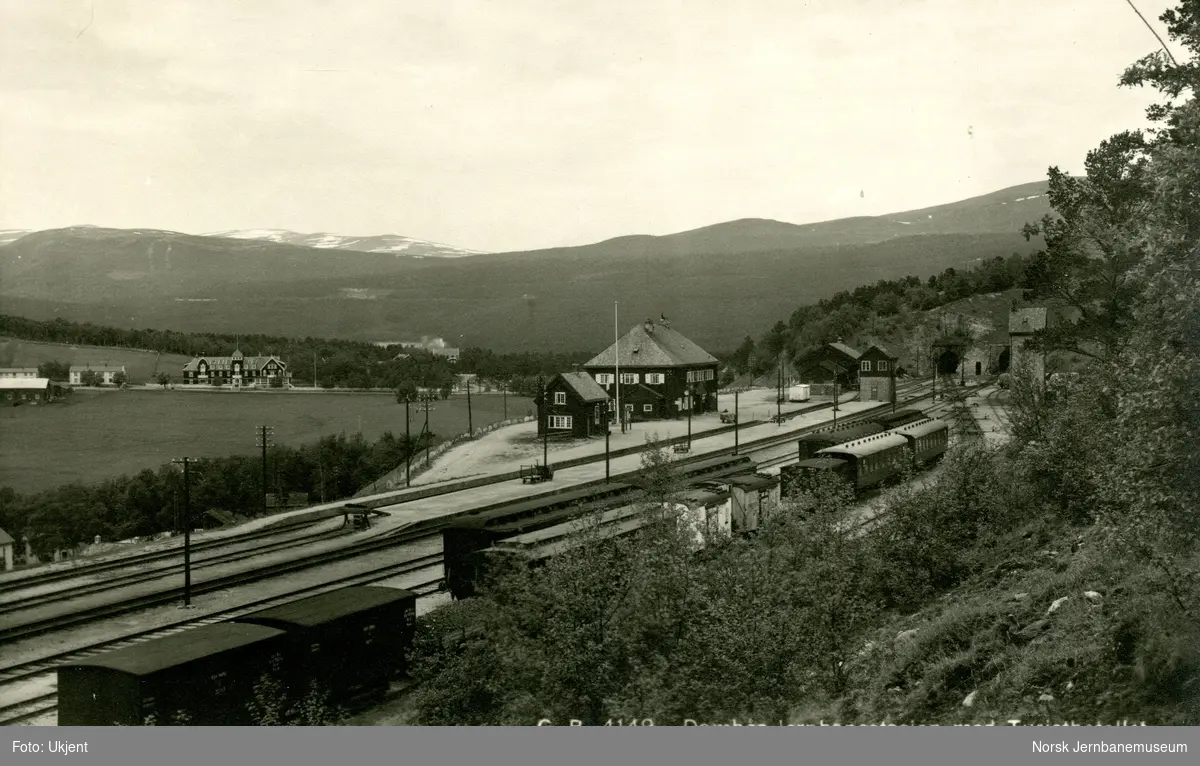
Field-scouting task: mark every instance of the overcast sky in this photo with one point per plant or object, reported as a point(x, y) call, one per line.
point(515, 124)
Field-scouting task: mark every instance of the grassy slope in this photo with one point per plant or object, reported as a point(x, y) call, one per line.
point(100, 435)
point(1101, 659)
point(140, 365)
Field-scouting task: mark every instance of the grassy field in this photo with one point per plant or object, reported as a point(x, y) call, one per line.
point(140, 366)
point(103, 434)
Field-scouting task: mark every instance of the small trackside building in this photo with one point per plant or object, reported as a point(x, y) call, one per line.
point(877, 374)
point(658, 368)
point(572, 403)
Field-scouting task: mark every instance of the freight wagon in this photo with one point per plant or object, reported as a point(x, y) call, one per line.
point(350, 641)
point(705, 512)
point(207, 675)
point(462, 538)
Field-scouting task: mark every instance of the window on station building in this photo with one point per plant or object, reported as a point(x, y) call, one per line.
point(560, 397)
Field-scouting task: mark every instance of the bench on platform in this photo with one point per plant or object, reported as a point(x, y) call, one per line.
point(681, 448)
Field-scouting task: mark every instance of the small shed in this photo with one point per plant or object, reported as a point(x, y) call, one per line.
point(6, 549)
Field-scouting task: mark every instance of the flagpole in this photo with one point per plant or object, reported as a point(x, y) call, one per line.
point(617, 366)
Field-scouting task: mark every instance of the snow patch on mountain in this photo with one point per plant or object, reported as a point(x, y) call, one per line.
point(385, 243)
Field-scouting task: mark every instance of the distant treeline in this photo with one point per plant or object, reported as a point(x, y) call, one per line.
point(884, 306)
point(150, 502)
point(329, 362)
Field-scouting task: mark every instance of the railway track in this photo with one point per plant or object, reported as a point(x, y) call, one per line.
point(42, 672)
point(85, 570)
point(385, 499)
point(43, 704)
point(176, 566)
point(416, 533)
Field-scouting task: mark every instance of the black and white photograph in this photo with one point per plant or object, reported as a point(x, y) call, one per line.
point(519, 363)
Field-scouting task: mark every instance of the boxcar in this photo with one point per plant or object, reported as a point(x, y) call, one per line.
point(927, 439)
point(753, 497)
point(899, 418)
point(207, 673)
point(351, 641)
point(810, 444)
point(798, 477)
point(871, 460)
point(462, 539)
point(537, 547)
point(465, 537)
point(708, 510)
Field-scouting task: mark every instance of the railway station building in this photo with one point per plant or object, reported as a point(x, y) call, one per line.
point(662, 373)
point(572, 403)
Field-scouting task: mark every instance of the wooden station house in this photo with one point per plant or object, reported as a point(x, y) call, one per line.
point(658, 367)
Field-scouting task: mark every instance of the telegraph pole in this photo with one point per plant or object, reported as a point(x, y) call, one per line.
point(264, 436)
point(736, 426)
point(607, 431)
point(933, 359)
point(545, 410)
point(426, 397)
point(689, 404)
point(408, 450)
point(504, 393)
point(837, 394)
point(470, 427)
point(187, 529)
point(779, 392)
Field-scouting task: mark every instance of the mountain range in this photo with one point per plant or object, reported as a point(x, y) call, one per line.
point(717, 284)
point(384, 243)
